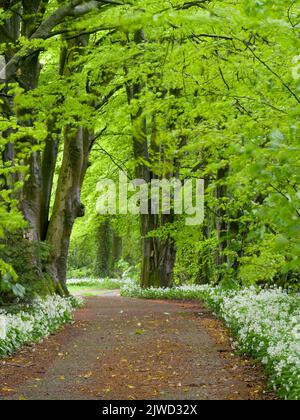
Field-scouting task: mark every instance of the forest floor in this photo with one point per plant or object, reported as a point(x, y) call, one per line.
point(121, 348)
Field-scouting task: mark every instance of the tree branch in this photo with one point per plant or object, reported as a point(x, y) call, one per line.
point(75, 8)
point(8, 3)
point(274, 74)
point(284, 196)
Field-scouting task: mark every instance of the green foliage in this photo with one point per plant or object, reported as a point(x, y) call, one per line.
point(127, 271)
point(26, 258)
point(219, 96)
point(10, 221)
point(80, 273)
point(215, 80)
point(89, 284)
point(9, 288)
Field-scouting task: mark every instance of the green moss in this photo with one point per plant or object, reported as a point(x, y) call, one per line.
point(30, 260)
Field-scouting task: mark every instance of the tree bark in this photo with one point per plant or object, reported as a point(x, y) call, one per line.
point(117, 245)
point(30, 203)
point(48, 168)
point(158, 256)
point(221, 222)
point(23, 67)
point(28, 78)
point(67, 206)
point(103, 261)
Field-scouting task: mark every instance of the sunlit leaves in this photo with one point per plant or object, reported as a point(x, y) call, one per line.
point(217, 90)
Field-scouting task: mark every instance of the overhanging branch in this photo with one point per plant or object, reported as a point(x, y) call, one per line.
point(75, 8)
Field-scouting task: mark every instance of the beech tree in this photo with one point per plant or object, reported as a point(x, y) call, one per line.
point(192, 89)
point(26, 27)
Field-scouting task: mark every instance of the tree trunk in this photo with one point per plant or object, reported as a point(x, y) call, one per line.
point(67, 206)
point(158, 256)
point(221, 222)
point(36, 193)
point(158, 260)
point(117, 246)
point(30, 203)
point(49, 159)
point(104, 250)
point(207, 261)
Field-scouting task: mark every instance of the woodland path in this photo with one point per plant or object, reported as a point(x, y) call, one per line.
point(123, 348)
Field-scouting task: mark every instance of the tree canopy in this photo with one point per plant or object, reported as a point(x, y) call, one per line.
point(189, 89)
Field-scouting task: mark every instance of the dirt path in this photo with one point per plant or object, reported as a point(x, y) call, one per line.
point(133, 349)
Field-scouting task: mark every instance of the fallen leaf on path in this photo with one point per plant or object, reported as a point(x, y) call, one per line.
point(140, 332)
point(5, 389)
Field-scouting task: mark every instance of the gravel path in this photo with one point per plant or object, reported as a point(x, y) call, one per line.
point(123, 348)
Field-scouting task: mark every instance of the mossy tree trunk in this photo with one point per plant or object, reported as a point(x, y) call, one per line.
point(32, 21)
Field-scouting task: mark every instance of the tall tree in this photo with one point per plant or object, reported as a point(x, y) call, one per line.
point(25, 29)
